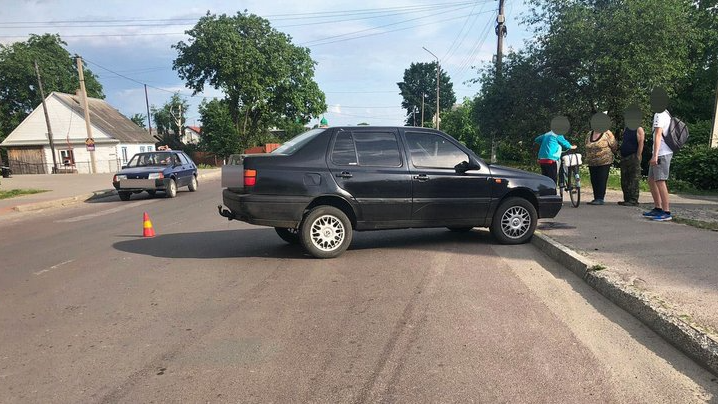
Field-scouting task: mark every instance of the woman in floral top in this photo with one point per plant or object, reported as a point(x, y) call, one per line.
point(600, 149)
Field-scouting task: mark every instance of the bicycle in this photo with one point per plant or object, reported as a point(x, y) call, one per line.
point(569, 178)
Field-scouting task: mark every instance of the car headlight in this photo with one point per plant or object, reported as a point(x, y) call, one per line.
point(155, 176)
point(120, 177)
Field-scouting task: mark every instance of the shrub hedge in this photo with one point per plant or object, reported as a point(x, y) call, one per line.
point(697, 165)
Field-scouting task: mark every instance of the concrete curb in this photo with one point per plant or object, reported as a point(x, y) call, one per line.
point(649, 309)
point(105, 193)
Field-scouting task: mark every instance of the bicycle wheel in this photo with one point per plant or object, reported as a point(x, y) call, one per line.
point(573, 186)
point(561, 179)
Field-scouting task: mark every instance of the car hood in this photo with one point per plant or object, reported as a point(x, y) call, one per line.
point(143, 170)
point(508, 172)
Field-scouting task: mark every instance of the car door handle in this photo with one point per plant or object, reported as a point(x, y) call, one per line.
point(344, 174)
point(421, 177)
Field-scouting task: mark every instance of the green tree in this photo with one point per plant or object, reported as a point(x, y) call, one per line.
point(420, 78)
point(169, 121)
point(458, 123)
point(19, 93)
point(265, 78)
point(587, 56)
point(219, 134)
point(139, 120)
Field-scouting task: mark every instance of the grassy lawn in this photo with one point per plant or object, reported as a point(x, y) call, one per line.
point(674, 187)
point(17, 192)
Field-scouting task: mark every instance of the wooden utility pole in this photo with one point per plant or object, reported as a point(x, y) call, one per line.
point(86, 107)
point(714, 131)
point(437, 86)
point(47, 119)
point(423, 95)
point(147, 103)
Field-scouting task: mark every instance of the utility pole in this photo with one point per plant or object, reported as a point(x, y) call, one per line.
point(147, 103)
point(423, 95)
point(714, 131)
point(437, 86)
point(86, 106)
point(500, 33)
point(47, 119)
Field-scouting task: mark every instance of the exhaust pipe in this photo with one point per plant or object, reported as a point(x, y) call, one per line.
point(226, 213)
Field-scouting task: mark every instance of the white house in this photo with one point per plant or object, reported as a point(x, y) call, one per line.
point(116, 138)
point(191, 135)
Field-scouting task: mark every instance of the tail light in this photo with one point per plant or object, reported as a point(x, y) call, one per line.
point(250, 178)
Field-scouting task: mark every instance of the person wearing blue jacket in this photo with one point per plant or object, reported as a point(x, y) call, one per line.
point(551, 144)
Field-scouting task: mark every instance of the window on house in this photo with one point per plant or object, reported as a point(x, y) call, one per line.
point(124, 154)
point(142, 149)
point(149, 148)
point(66, 157)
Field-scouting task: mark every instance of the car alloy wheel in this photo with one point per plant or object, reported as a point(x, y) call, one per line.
point(516, 222)
point(193, 185)
point(325, 232)
point(171, 189)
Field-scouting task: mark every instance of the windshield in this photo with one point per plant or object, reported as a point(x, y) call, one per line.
point(151, 159)
point(297, 142)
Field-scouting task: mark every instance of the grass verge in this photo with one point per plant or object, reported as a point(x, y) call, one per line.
point(17, 192)
point(697, 223)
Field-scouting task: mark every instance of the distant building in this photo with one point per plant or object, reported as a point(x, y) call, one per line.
point(324, 123)
point(191, 135)
point(116, 138)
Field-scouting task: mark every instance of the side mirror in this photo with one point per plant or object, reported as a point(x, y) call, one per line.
point(465, 166)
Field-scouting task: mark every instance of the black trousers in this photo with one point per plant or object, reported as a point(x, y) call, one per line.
point(599, 179)
point(549, 170)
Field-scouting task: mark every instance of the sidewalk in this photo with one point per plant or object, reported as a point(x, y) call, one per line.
point(673, 266)
point(63, 189)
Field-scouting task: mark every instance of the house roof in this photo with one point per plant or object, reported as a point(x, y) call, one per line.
point(107, 119)
point(196, 129)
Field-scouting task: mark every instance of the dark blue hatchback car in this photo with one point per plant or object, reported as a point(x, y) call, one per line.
point(156, 171)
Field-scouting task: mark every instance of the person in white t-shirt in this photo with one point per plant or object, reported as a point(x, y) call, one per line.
point(660, 162)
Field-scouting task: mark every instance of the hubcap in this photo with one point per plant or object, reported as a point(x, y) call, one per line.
point(515, 222)
point(327, 233)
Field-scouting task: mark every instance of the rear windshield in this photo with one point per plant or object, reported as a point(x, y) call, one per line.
point(297, 142)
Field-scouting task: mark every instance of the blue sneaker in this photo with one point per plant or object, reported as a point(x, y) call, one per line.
point(663, 217)
point(652, 213)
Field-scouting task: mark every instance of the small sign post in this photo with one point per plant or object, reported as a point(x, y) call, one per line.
point(90, 144)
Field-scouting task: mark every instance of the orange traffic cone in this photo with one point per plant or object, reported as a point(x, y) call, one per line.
point(147, 230)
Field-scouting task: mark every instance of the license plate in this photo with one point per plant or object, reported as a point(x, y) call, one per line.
point(137, 183)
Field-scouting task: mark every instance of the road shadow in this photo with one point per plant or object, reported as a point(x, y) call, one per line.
point(142, 196)
point(264, 242)
point(554, 226)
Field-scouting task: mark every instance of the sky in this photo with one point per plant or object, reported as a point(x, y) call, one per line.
point(361, 48)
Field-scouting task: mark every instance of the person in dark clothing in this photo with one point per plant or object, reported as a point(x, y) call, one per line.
point(631, 152)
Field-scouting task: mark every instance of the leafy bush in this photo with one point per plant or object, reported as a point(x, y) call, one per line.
point(697, 165)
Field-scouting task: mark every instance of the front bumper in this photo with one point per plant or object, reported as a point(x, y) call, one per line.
point(138, 185)
point(549, 206)
point(265, 210)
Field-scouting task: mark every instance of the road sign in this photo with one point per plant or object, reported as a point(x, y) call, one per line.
point(90, 144)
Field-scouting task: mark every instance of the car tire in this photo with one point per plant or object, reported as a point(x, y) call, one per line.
point(124, 196)
point(152, 192)
point(514, 221)
point(193, 184)
point(290, 235)
point(171, 191)
point(325, 232)
point(460, 229)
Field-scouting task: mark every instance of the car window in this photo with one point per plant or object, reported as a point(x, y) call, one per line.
point(150, 159)
point(344, 153)
point(297, 142)
point(433, 151)
point(377, 149)
point(183, 158)
point(369, 149)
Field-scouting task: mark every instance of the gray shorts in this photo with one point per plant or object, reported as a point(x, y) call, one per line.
point(660, 172)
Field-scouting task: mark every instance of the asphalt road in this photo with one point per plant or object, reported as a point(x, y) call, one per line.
point(218, 311)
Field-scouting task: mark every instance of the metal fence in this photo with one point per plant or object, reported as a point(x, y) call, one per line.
point(82, 167)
